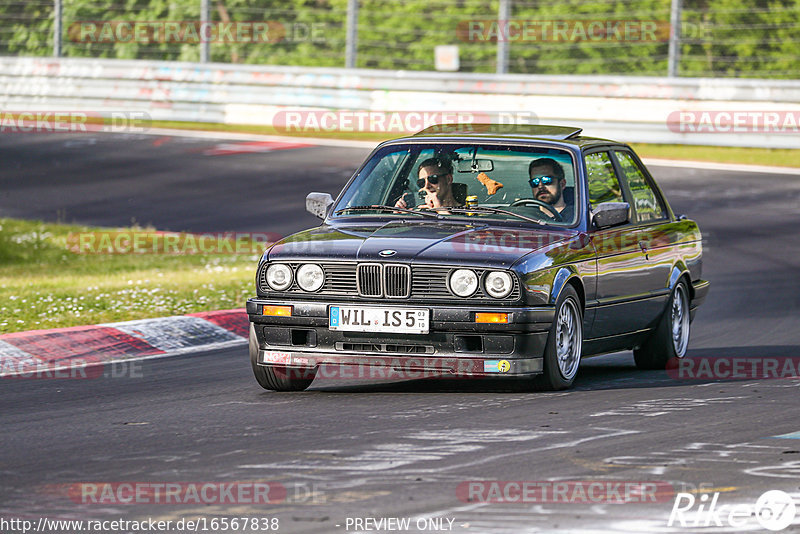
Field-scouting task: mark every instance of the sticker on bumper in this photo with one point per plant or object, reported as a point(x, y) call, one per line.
point(496, 366)
point(283, 358)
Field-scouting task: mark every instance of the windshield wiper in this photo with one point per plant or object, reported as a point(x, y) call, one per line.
point(486, 209)
point(433, 212)
point(381, 207)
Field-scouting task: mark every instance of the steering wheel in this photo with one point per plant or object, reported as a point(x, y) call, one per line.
point(556, 215)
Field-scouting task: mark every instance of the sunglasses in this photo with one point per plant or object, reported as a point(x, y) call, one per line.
point(431, 178)
point(544, 180)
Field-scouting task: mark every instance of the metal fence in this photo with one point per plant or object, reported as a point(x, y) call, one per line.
point(702, 111)
point(691, 38)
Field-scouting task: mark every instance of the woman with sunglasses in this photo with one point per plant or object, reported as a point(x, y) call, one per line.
point(435, 182)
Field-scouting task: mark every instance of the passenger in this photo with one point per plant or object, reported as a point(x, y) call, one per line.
point(547, 185)
point(436, 182)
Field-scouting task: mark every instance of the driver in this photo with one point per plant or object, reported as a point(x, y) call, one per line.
point(436, 182)
point(547, 185)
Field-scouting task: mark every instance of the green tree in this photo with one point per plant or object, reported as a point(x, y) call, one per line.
point(735, 38)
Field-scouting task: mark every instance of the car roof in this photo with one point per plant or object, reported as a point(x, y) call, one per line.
point(565, 135)
point(480, 129)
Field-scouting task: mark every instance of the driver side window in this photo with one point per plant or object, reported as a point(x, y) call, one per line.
point(601, 179)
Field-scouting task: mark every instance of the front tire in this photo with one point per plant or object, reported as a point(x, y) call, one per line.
point(278, 378)
point(562, 354)
point(671, 337)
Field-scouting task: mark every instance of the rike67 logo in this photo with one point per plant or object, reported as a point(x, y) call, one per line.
point(774, 510)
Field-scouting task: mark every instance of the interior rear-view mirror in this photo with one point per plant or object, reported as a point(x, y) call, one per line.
point(478, 165)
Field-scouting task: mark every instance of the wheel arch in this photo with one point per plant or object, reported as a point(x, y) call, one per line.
point(568, 275)
point(680, 271)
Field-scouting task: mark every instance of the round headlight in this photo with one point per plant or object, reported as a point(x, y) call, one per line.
point(498, 284)
point(279, 276)
point(310, 277)
point(463, 282)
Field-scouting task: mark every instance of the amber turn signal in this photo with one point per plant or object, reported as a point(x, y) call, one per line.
point(491, 317)
point(281, 311)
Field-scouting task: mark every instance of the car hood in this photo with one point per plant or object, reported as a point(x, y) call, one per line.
point(440, 242)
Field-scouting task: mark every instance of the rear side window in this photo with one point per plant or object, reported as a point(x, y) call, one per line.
point(602, 181)
point(646, 203)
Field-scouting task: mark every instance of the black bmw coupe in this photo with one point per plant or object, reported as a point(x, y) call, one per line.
point(476, 251)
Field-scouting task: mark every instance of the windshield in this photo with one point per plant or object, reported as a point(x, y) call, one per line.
point(456, 180)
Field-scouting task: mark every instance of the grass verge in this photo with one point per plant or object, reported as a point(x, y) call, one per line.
point(46, 283)
point(774, 157)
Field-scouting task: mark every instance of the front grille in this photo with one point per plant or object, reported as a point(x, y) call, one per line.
point(379, 280)
point(420, 283)
point(370, 279)
point(396, 281)
point(339, 279)
point(431, 282)
point(385, 347)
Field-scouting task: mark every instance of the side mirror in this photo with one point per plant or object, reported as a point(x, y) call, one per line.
point(318, 204)
point(610, 214)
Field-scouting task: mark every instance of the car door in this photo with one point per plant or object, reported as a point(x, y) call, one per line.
point(623, 284)
point(653, 231)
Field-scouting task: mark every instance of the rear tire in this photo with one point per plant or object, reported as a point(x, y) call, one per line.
point(671, 337)
point(278, 378)
point(562, 354)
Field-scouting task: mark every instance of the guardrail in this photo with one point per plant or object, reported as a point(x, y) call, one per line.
point(700, 111)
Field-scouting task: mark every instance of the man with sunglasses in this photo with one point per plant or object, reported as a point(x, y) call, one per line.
point(547, 185)
point(436, 182)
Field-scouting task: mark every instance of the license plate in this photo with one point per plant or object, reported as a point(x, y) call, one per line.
point(370, 319)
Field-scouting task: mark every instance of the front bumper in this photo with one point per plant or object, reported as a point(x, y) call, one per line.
point(699, 292)
point(454, 346)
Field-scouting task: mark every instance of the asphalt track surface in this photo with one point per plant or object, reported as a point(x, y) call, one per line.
point(377, 449)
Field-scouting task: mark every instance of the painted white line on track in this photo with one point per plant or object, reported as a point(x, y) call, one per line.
point(237, 136)
point(713, 166)
point(73, 367)
point(793, 435)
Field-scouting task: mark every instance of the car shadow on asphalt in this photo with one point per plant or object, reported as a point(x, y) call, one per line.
point(611, 371)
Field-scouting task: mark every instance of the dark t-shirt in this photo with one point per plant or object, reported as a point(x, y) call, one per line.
point(568, 213)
